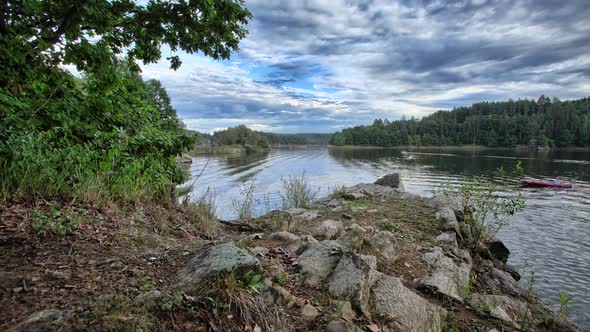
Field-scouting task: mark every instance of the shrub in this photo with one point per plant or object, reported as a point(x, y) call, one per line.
point(486, 211)
point(297, 193)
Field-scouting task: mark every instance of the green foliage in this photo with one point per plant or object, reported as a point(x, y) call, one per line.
point(252, 282)
point(564, 303)
point(486, 211)
point(241, 135)
point(545, 122)
point(103, 140)
point(55, 222)
point(244, 207)
point(387, 225)
point(109, 135)
point(297, 193)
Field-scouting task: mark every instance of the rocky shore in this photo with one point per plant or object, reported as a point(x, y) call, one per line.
point(369, 258)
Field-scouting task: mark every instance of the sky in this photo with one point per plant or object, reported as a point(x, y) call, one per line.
point(324, 65)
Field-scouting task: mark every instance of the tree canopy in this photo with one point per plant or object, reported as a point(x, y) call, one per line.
point(545, 122)
point(109, 133)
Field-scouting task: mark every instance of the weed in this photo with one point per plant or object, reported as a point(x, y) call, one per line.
point(564, 303)
point(55, 222)
point(281, 278)
point(296, 192)
point(338, 191)
point(387, 225)
point(245, 206)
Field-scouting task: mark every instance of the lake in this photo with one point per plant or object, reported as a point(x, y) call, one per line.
point(550, 236)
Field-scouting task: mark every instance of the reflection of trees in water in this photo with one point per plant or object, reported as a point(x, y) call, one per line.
point(472, 162)
point(243, 159)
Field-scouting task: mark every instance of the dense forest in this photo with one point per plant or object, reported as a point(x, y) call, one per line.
point(297, 139)
point(545, 122)
point(243, 136)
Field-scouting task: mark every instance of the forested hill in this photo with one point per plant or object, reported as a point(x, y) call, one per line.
point(297, 139)
point(545, 122)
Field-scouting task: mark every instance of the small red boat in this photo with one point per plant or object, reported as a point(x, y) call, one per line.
point(541, 183)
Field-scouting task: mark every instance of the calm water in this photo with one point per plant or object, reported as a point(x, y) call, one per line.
point(550, 237)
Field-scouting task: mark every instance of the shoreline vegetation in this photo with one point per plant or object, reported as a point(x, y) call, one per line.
point(368, 257)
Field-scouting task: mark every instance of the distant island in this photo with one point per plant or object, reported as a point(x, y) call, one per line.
point(542, 123)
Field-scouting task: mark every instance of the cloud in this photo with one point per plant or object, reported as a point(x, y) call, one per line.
point(326, 64)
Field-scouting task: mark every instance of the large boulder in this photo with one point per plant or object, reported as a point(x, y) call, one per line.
point(329, 229)
point(342, 326)
point(403, 309)
point(353, 278)
point(505, 308)
point(392, 180)
point(498, 250)
point(363, 190)
point(40, 321)
point(213, 261)
point(448, 277)
point(319, 260)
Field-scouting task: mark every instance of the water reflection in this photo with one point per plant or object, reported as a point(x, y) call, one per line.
point(549, 237)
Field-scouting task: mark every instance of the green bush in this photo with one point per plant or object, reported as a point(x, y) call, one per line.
point(106, 138)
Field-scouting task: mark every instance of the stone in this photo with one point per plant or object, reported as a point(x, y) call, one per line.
point(309, 312)
point(403, 309)
point(309, 215)
point(259, 251)
point(371, 190)
point(353, 278)
point(501, 281)
point(329, 229)
point(284, 236)
point(345, 309)
point(342, 326)
point(40, 321)
point(184, 160)
point(448, 278)
point(274, 221)
point(383, 244)
point(152, 295)
point(448, 239)
point(505, 308)
point(498, 250)
point(392, 180)
point(212, 261)
point(318, 261)
point(353, 196)
point(449, 220)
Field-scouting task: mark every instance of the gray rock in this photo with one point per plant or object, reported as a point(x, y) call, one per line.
point(353, 278)
point(295, 211)
point(448, 278)
point(353, 196)
point(448, 239)
point(342, 326)
point(383, 244)
point(501, 281)
point(285, 237)
point(318, 261)
point(505, 308)
point(309, 312)
point(40, 321)
point(498, 250)
point(403, 309)
point(345, 310)
point(371, 190)
point(212, 261)
point(329, 229)
point(152, 295)
point(259, 251)
point(392, 180)
point(449, 220)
